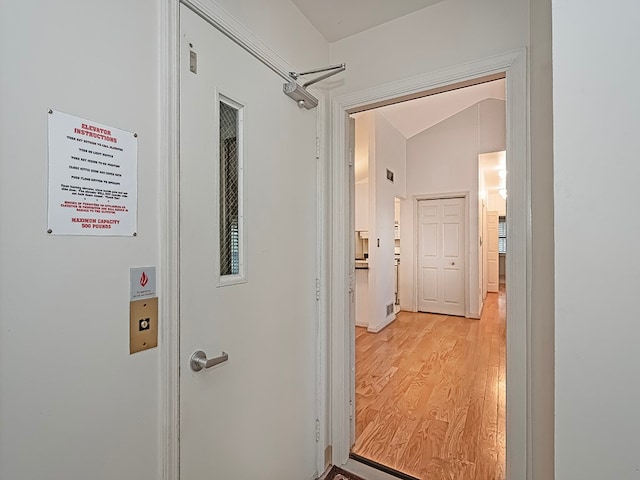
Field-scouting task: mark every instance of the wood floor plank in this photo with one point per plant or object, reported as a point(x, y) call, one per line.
point(440, 469)
point(487, 440)
point(502, 397)
point(469, 442)
point(430, 394)
point(396, 448)
point(427, 442)
point(377, 434)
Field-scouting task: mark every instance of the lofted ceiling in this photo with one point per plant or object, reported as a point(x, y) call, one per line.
point(415, 116)
point(338, 19)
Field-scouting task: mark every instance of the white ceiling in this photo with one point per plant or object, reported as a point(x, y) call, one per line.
point(415, 116)
point(337, 19)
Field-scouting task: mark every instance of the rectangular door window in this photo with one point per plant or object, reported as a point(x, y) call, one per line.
point(230, 196)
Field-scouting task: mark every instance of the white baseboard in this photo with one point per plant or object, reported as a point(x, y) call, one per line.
point(387, 321)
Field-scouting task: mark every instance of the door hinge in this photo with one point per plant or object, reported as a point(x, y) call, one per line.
point(193, 62)
point(317, 430)
point(317, 148)
point(350, 157)
point(317, 289)
point(350, 409)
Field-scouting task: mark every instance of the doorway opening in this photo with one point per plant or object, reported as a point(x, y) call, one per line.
point(429, 337)
point(492, 174)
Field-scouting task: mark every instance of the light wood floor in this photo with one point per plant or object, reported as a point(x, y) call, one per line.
point(430, 394)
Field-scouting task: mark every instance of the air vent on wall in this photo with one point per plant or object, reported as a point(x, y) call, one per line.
point(389, 309)
point(389, 175)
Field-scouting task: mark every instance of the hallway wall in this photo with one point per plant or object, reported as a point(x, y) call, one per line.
point(443, 35)
point(597, 329)
point(444, 159)
point(465, 30)
point(390, 153)
point(73, 403)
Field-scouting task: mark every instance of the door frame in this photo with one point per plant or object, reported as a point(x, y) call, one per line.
point(467, 251)
point(512, 66)
point(169, 284)
point(169, 327)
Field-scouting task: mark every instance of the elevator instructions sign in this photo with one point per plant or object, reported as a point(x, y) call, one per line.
point(93, 185)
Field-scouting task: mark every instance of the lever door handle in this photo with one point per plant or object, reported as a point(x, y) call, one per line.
point(199, 360)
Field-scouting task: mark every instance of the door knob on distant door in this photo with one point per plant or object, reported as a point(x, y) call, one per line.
point(199, 360)
point(453, 263)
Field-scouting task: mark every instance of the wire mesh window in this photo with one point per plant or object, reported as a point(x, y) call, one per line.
point(230, 194)
point(502, 235)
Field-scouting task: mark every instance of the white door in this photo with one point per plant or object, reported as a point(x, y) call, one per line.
point(441, 259)
point(247, 266)
point(493, 278)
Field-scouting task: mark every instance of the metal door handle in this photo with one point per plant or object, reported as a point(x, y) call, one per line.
point(199, 360)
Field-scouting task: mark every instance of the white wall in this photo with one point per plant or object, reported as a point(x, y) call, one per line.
point(280, 25)
point(443, 35)
point(390, 153)
point(73, 402)
point(385, 148)
point(364, 143)
point(492, 113)
point(596, 235)
point(441, 160)
point(362, 207)
point(451, 33)
point(361, 154)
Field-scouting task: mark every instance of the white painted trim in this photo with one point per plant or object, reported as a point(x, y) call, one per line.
point(170, 241)
point(170, 196)
point(322, 267)
point(514, 65)
point(519, 270)
point(339, 280)
point(467, 245)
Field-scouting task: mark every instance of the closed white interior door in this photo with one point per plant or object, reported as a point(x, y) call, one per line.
point(247, 265)
point(441, 259)
point(493, 277)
